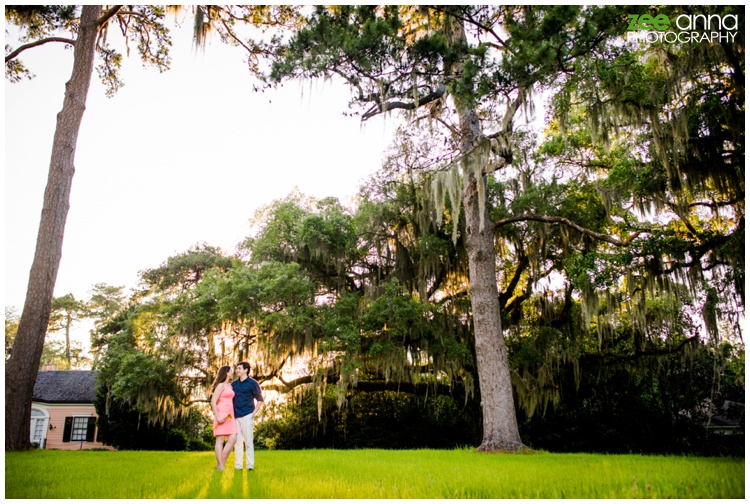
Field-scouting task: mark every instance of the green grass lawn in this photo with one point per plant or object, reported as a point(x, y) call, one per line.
point(355, 474)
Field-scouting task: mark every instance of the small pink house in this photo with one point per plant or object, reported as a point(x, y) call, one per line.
point(62, 411)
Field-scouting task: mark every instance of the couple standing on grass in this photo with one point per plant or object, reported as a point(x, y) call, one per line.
point(233, 403)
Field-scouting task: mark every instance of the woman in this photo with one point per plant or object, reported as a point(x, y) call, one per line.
point(224, 424)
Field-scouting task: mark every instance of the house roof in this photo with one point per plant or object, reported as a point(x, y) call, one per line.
point(731, 414)
point(65, 386)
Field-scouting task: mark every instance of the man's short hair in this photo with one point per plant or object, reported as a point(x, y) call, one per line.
point(245, 365)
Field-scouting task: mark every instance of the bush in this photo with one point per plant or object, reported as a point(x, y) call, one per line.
point(177, 440)
point(655, 409)
point(199, 445)
point(382, 419)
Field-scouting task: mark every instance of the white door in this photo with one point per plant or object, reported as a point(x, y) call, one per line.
point(38, 427)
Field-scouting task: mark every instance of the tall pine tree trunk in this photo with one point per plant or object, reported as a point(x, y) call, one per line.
point(21, 369)
point(500, 426)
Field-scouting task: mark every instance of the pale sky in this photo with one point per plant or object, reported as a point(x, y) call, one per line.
point(173, 160)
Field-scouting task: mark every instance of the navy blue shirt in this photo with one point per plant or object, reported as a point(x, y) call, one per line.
point(244, 392)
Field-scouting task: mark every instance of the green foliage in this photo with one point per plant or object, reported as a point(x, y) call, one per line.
point(42, 20)
point(275, 295)
point(317, 235)
point(104, 305)
point(55, 353)
point(546, 39)
point(131, 386)
point(66, 310)
point(656, 406)
point(340, 330)
point(11, 328)
point(364, 34)
point(132, 375)
point(177, 440)
point(393, 318)
point(199, 445)
point(186, 269)
point(641, 125)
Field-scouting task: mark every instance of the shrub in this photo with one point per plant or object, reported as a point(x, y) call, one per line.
point(381, 419)
point(199, 445)
point(177, 440)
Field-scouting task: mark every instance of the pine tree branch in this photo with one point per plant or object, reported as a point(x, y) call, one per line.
point(469, 18)
point(393, 105)
point(234, 37)
point(109, 14)
point(37, 43)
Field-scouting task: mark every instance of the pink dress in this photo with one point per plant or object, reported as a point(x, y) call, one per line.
point(224, 405)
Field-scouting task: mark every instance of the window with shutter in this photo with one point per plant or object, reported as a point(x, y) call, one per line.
point(80, 427)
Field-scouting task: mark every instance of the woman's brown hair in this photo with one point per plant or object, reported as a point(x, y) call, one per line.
point(221, 377)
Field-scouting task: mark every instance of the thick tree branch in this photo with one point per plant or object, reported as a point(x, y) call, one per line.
point(393, 105)
point(287, 386)
point(609, 357)
point(409, 388)
point(375, 386)
point(503, 297)
point(506, 123)
point(569, 223)
point(676, 209)
point(37, 43)
point(108, 14)
point(714, 204)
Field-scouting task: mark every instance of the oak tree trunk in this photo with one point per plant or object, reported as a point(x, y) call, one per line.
point(21, 369)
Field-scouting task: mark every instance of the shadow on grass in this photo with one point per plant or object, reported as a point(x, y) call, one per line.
point(228, 484)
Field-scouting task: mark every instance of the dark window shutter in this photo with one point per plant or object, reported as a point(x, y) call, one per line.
point(90, 428)
point(67, 429)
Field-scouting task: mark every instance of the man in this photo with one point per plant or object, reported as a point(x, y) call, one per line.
point(246, 392)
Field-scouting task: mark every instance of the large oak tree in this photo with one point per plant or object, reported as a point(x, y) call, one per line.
point(458, 65)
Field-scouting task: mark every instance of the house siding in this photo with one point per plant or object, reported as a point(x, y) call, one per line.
point(56, 424)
